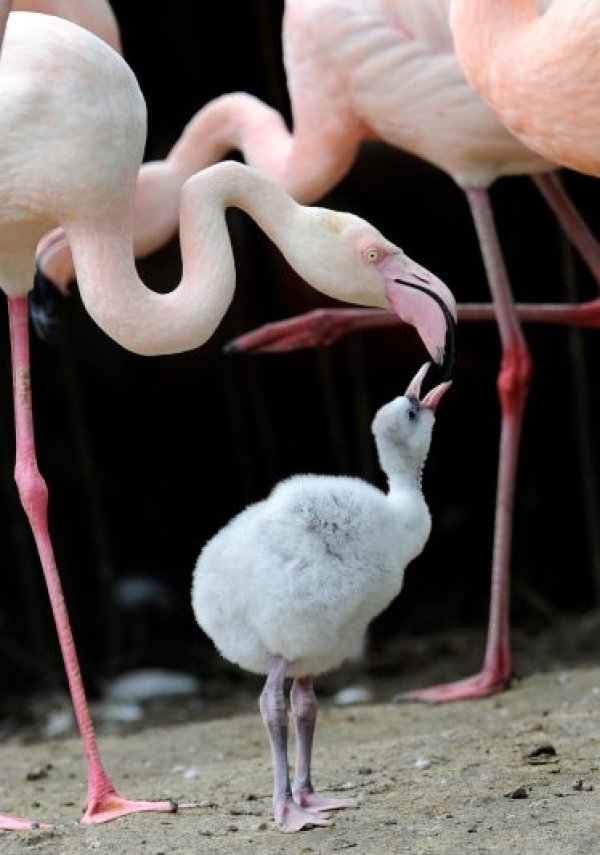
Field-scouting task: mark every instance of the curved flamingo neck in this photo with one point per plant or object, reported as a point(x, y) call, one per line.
point(307, 162)
point(149, 323)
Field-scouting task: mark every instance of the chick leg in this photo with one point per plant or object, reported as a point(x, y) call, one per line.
point(304, 710)
point(288, 815)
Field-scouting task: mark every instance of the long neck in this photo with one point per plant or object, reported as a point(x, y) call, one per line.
point(149, 323)
point(307, 162)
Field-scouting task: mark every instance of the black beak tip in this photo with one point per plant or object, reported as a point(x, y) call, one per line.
point(446, 366)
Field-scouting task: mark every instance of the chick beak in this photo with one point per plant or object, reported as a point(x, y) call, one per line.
point(433, 397)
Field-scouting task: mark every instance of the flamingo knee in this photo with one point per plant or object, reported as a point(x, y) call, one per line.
point(514, 377)
point(588, 314)
point(303, 701)
point(33, 491)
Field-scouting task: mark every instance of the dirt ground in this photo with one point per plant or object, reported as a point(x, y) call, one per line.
point(515, 773)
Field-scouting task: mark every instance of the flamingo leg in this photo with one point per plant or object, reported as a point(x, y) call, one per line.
point(289, 816)
point(513, 385)
point(103, 802)
point(570, 220)
point(321, 327)
point(304, 710)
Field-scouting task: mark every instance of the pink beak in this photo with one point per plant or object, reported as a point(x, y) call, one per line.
point(421, 299)
point(433, 397)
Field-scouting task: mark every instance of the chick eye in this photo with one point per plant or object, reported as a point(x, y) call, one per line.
point(371, 255)
point(412, 414)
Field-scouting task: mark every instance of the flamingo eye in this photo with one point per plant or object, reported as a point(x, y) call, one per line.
point(371, 256)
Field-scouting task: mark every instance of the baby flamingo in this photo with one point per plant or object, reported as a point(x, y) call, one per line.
point(288, 587)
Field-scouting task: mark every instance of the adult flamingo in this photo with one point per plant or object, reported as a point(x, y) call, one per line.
point(538, 73)
point(88, 189)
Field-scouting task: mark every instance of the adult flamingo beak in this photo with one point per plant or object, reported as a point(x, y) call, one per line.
point(421, 299)
point(433, 397)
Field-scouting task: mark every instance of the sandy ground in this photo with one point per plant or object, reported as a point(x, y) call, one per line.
point(518, 772)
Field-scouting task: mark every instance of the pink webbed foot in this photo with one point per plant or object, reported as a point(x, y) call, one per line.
point(319, 327)
point(487, 682)
point(18, 823)
point(291, 817)
point(314, 804)
point(112, 806)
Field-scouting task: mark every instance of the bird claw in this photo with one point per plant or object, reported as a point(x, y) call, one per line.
point(18, 823)
point(291, 817)
point(112, 806)
point(487, 682)
point(316, 328)
point(313, 803)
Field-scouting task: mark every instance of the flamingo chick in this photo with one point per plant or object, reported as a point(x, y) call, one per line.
point(288, 587)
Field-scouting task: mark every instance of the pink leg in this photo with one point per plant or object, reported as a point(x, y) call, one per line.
point(289, 816)
point(513, 385)
point(304, 710)
point(321, 327)
point(318, 327)
point(103, 802)
point(570, 220)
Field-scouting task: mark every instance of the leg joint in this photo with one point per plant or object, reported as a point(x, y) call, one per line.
point(32, 488)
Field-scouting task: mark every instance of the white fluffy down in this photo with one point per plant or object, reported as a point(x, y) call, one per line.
point(301, 574)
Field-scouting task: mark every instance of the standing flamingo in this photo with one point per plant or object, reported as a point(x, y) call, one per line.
point(538, 73)
point(88, 188)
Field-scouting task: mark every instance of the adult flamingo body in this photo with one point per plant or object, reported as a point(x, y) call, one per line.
point(538, 72)
point(88, 189)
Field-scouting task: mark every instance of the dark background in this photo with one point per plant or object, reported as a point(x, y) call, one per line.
point(147, 457)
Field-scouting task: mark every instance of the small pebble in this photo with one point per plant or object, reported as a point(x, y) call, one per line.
point(543, 752)
point(353, 695)
point(581, 786)
point(517, 793)
point(38, 773)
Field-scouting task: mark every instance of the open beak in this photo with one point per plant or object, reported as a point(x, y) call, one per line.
point(421, 299)
point(433, 397)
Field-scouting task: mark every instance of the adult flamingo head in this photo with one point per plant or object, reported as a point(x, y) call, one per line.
point(345, 257)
